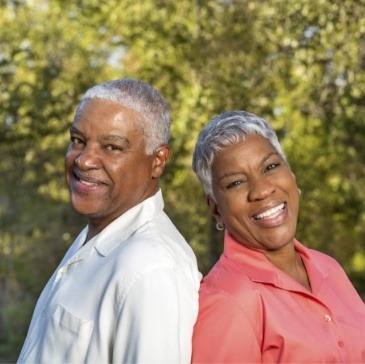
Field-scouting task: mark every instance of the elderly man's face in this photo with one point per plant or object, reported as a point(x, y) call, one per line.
point(107, 168)
point(256, 194)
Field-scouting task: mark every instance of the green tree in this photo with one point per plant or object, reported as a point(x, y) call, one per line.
point(300, 64)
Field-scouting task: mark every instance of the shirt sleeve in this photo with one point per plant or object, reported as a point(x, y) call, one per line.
point(156, 318)
point(223, 333)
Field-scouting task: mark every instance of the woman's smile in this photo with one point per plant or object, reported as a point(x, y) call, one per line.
point(272, 212)
point(272, 217)
point(256, 195)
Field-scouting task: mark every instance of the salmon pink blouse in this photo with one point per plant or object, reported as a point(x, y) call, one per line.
point(252, 312)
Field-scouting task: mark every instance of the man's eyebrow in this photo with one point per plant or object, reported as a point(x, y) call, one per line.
point(104, 138)
point(115, 138)
point(75, 130)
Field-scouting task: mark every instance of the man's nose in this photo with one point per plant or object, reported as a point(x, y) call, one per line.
point(88, 158)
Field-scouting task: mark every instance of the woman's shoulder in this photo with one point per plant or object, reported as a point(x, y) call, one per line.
point(322, 258)
point(226, 281)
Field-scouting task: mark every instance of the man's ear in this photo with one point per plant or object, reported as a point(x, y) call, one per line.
point(160, 157)
point(213, 207)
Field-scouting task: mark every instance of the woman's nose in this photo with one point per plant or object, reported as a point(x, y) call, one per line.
point(260, 189)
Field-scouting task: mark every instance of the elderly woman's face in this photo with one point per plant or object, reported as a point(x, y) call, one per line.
point(256, 194)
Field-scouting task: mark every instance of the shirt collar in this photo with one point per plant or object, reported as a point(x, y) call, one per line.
point(259, 269)
point(127, 223)
point(254, 263)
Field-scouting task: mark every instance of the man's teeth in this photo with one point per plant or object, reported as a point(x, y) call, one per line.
point(88, 183)
point(270, 213)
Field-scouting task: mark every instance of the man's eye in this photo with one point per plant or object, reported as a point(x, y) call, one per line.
point(113, 147)
point(76, 140)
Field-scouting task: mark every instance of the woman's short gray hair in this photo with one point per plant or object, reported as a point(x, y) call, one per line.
point(223, 130)
point(141, 97)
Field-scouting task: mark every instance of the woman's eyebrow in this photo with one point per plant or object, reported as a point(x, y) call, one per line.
point(230, 174)
point(268, 156)
point(235, 173)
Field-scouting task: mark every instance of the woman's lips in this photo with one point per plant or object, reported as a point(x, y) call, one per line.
point(270, 213)
point(272, 217)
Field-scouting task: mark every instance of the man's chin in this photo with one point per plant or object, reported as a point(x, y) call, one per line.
point(85, 209)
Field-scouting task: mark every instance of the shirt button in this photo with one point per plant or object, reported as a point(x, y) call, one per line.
point(63, 270)
point(341, 344)
point(327, 318)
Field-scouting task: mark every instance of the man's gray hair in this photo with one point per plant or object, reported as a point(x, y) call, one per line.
point(223, 130)
point(141, 97)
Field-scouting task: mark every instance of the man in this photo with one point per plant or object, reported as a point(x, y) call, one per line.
point(127, 289)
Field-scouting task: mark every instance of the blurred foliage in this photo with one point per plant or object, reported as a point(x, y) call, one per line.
point(299, 64)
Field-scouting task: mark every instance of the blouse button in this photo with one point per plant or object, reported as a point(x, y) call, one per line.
point(341, 344)
point(327, 318)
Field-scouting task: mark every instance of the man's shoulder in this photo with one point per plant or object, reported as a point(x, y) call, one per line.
point(151, 247)
point(150, 252)
point(157, 240)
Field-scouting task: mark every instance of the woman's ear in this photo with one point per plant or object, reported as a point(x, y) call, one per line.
point(160, 157)
point(213, 207)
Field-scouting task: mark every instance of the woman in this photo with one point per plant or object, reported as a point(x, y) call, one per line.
point(268, 299)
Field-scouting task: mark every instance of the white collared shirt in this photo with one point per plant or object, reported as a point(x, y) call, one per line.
point(130, 295)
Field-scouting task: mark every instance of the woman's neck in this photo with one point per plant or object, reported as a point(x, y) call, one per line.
point(289, 261)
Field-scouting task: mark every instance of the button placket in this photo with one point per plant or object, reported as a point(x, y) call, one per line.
point(63, 271)
point(327, 318)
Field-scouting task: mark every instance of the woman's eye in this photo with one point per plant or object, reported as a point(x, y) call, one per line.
point(271, 166)
point(234, 184)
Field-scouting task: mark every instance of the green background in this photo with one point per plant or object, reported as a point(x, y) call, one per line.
point(300, 64)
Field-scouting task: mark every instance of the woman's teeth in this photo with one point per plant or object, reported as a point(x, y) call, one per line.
point(270, 213)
